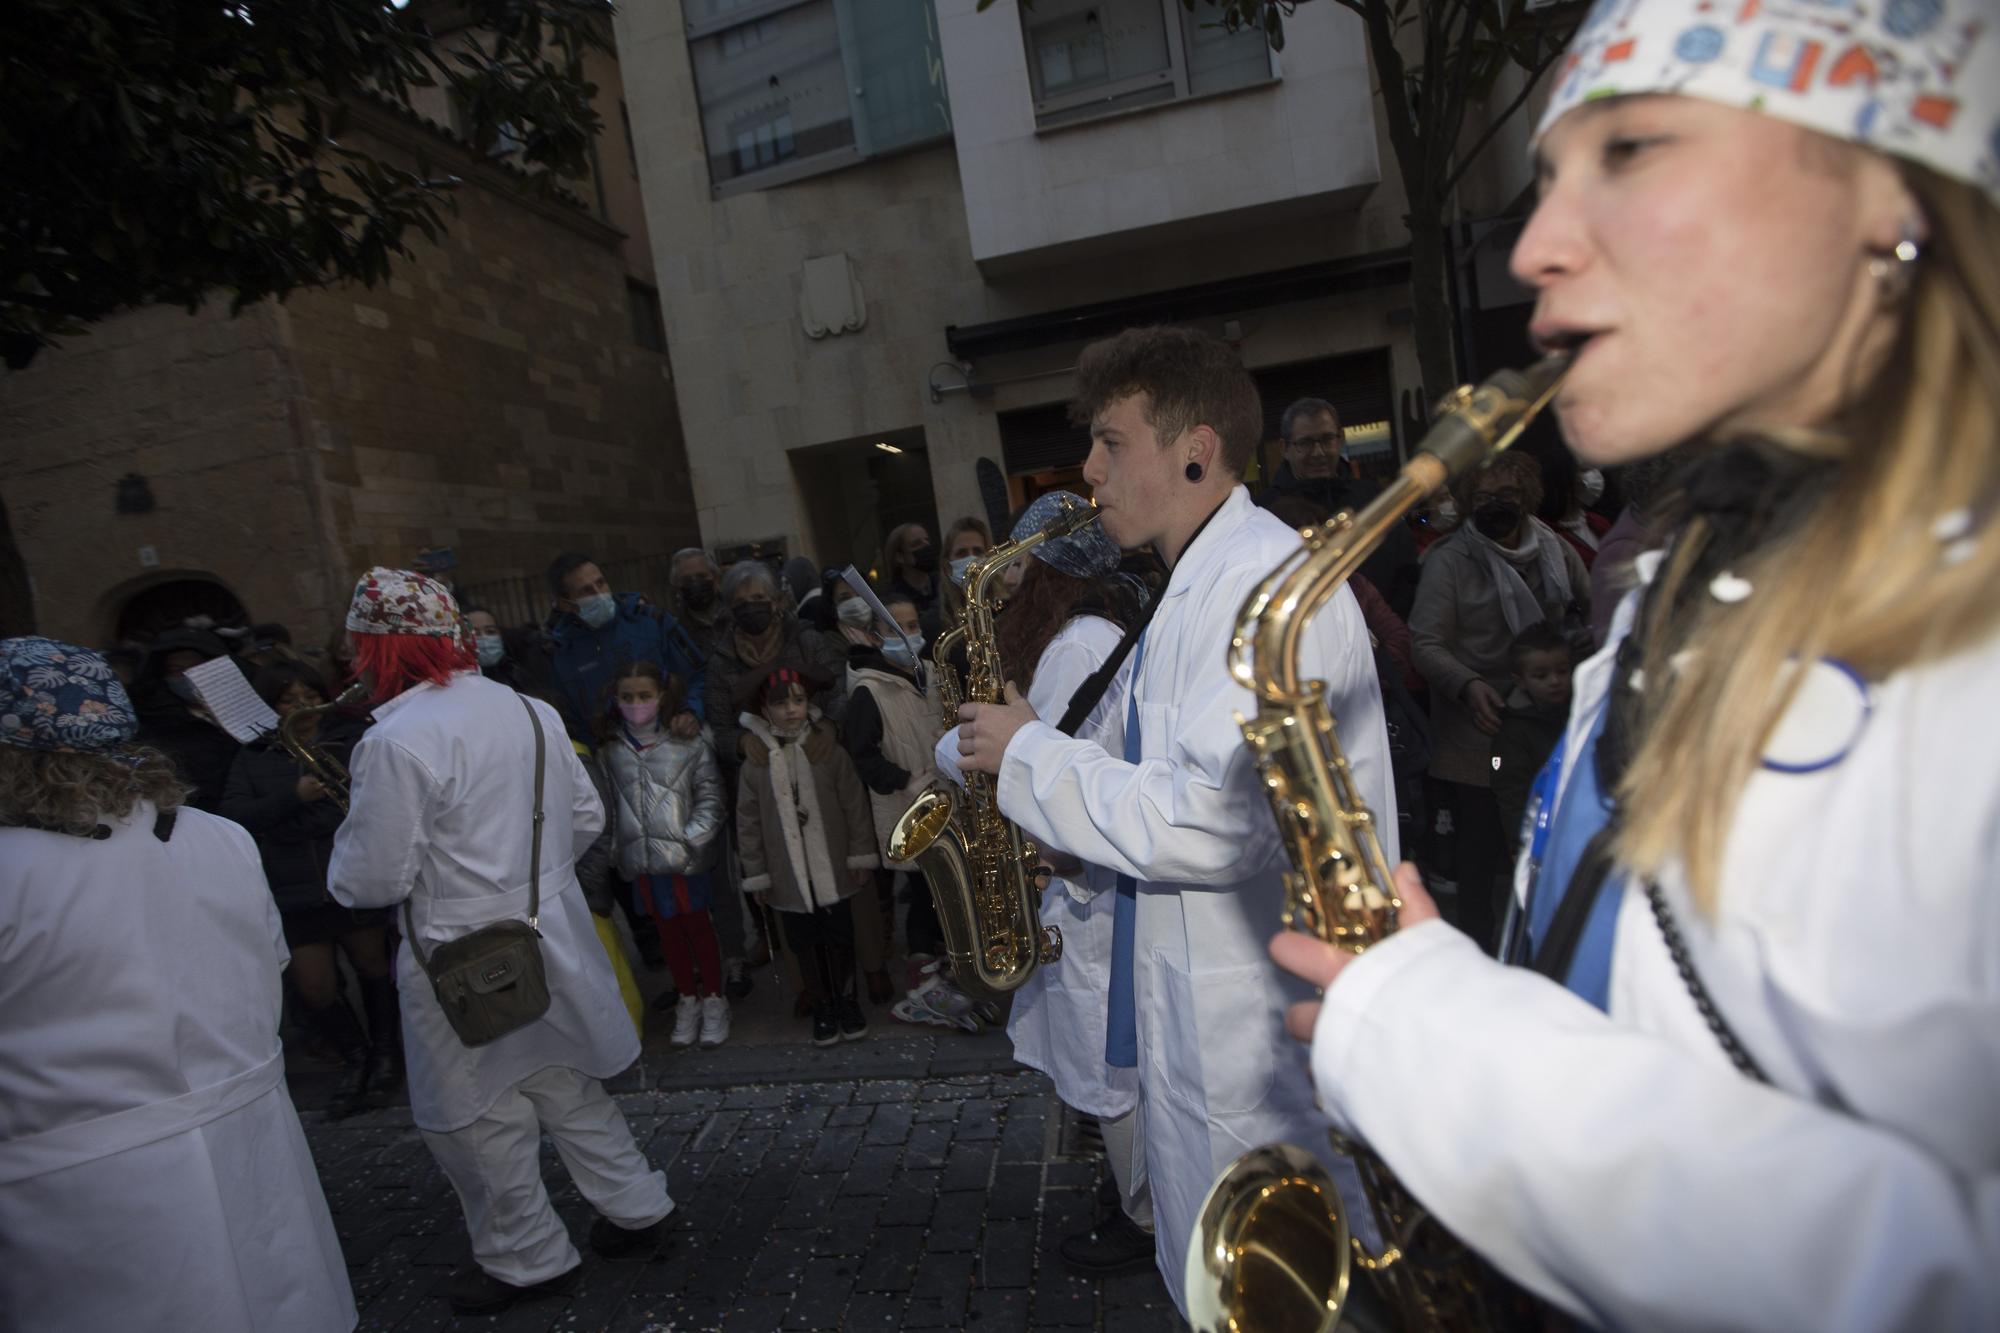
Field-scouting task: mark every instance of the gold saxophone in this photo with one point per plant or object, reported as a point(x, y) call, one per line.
point(1272, 1248)
point(319, 762)
point(980, 869)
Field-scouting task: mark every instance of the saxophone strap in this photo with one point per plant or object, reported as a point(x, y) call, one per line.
point(1089, 694)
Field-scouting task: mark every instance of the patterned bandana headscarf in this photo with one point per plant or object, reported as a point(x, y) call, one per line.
point(1918, 79)
point(400, 601)
point(1087, 554)
point(59, 697)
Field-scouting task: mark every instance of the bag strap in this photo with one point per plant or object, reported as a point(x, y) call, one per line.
point(535, 863)
point(535, 856)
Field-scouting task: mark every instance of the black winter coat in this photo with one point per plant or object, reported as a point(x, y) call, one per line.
point(294, 837)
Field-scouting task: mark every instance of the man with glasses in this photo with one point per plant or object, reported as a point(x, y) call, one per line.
point(1316, 469)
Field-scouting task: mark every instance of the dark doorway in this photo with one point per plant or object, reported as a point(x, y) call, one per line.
point(174, 602)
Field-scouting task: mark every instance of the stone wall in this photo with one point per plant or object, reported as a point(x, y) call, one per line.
point(488, 398)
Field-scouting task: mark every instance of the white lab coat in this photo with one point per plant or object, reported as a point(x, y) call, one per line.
point(1191, 822)
point(153, 1175)
point(444, 798)
point(1620, 1166)
point(1058, 1019)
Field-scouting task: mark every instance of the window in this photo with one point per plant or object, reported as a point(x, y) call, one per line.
point(789, 88)
point(1088, 58)
point(649, 328)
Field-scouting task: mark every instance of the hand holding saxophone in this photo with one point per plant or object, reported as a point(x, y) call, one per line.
point(1312, 959)
point(984, 730)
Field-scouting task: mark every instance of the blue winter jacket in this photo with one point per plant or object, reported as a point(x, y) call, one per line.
point(584, 659)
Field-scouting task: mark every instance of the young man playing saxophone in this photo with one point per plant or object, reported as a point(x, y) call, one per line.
point(1195, 1004)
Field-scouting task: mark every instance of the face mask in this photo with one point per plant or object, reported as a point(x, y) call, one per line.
point(901, 653)
point(854, 612)
point(1496, 518)
point(958, 568)
point(640, 715)
point(698, 594)
point(183, 689)
point(490, 649)
point(1590, 484)
point(753, 617)
point(920, 556)
point(1447, 512)
point(597, 609)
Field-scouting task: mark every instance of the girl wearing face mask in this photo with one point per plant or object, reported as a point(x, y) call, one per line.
point(888, 727)
point(1500, 572)
point(495, 662)
point(964, 541)
point(667, 813)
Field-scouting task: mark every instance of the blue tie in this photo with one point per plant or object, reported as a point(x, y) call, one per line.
point(1582, 811)
point(1121, 1030)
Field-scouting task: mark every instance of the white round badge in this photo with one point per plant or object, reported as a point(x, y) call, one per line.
point(1824, 722)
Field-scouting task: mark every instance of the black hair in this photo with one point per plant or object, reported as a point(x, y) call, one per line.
point(561, 568)
point(1540, 637)
point(272, 681)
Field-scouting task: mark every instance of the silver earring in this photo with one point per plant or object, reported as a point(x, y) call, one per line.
point(1895, 271)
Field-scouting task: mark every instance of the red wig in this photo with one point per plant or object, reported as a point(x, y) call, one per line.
point(395, 662)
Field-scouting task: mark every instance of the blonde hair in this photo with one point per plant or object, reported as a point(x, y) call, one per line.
point(1864, 577)
point(70, 792)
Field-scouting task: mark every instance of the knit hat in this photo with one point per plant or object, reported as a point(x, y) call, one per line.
point(1086, 554)
point(1918, 79)
point(400, 601)
point(56, 696)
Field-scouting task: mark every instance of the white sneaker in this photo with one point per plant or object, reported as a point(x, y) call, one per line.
point(687, 1020)
point(714, 1021)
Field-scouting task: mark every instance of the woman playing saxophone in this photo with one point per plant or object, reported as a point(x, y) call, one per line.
point(1746, 1074)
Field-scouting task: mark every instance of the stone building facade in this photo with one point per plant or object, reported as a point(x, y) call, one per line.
point(506, 395)
point(858, 315)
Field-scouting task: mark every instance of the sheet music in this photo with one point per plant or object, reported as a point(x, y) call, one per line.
point(225, 692)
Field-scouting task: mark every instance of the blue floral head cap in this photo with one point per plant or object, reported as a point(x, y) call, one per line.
point(1087, 554)
point(56, 696)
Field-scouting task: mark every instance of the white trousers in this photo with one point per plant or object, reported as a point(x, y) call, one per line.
point(1122, 1151)
point(495, 1165)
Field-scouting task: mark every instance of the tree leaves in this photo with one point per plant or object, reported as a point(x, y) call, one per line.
point(159, 150)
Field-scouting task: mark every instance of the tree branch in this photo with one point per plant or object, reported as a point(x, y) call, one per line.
point(1493, 128)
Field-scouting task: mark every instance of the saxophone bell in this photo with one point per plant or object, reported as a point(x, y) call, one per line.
point(979, 868)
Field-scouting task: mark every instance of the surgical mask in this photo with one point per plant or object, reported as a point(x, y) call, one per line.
point(490, 649)
point(597, 610)
point(183, 689)
point(854, 611)
point(1446, 510)
point(698, 594)
point(1496, 518)
point(753, 617)
point(640, 715)
point(958, 568)
point(1590, 485)
point(903, 654)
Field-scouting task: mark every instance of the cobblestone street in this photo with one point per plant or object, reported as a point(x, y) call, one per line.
point(908, 1181)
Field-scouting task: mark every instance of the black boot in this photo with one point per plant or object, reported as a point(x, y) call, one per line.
point(382, 1076)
